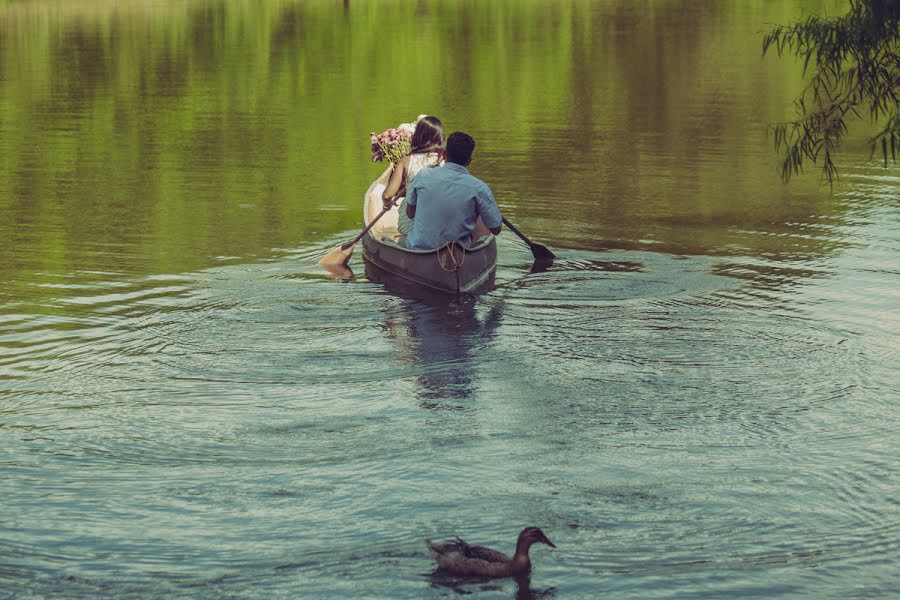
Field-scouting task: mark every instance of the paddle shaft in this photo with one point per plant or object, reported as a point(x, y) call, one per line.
point(365, 229)
point(540, 251)
point(517, 232)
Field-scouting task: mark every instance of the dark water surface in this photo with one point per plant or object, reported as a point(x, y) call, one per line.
point(698, 400)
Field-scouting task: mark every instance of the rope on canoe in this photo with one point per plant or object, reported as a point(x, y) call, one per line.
point(452, 264)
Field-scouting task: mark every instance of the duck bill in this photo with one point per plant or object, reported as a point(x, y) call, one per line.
point(547, 541)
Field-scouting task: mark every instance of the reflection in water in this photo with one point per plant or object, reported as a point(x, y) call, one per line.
point(440, 336)
point(114, 151)
point(172, 363)
point(338, 272)
point(541, 266)
point(469, 585)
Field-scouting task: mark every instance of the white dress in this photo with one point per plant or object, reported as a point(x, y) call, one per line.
point(417, 162)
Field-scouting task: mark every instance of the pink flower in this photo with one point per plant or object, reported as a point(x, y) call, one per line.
point(392, 143)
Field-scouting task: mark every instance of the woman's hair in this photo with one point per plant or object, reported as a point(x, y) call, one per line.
point(428, 137)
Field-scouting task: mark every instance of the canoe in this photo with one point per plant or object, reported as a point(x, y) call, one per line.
point(454, 270)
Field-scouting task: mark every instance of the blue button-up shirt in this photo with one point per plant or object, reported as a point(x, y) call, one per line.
point(448, 203)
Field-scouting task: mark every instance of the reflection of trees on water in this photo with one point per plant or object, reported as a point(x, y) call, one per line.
point(463, 586)
point(216, 108)
point(441, 338)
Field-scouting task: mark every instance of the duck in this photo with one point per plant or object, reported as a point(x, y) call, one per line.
point(461, 558)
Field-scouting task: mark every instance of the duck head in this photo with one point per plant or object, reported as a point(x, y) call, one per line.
point(530, 535)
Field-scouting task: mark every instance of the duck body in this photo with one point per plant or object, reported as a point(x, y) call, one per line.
point(462, 558)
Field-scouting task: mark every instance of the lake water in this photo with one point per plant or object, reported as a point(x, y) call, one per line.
point(698, 400)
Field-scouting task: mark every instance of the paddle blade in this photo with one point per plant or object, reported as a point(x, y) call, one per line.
point(541, 265)
point(338, 257)
point(541, 252)
point(338, 272)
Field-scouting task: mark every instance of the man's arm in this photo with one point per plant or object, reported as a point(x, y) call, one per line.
point(488, 211)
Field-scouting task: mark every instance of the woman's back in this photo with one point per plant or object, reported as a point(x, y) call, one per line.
point(417, 162)
point(427, 145)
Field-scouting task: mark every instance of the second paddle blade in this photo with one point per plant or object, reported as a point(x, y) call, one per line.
point(541, 252)
point(337, 257)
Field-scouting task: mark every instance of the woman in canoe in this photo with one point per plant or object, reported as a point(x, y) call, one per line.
point(427, 151)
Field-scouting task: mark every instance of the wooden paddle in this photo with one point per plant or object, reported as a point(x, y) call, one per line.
point(340, 256)
point(539, 250)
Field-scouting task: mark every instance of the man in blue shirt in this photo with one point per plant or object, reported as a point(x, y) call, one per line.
point(445, 202)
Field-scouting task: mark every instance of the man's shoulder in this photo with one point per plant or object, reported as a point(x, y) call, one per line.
point(421, 180)
point(480, 185)
point(473, 181)
point(425, 173)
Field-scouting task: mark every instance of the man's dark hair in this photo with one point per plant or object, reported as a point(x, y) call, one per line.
point(459, 148)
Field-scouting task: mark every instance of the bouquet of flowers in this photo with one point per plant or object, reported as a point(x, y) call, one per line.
point(392, 144)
